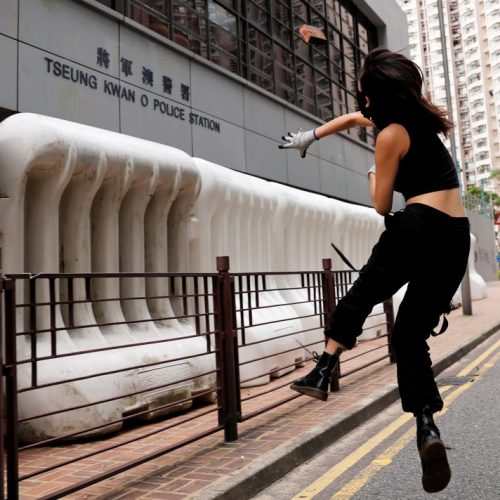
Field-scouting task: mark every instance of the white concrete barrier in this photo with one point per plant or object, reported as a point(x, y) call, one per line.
point(477, 283)
point(237, 215)
point(78, 199)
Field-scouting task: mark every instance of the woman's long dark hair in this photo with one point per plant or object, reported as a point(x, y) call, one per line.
point(393, 84)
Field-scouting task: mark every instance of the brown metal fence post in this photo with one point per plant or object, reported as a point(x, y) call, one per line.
point(228, 346)
point(389, 313)
point(328, 308)
point(10, 374)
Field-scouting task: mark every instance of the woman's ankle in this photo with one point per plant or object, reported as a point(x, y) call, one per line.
point(334, 348)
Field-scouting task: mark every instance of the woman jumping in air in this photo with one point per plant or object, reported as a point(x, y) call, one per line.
point(426, 245)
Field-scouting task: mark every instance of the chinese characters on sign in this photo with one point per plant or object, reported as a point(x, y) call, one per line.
point(104, 60)
point(167, 85)
point(184, 92)
point(126, 66)
point(147, 76)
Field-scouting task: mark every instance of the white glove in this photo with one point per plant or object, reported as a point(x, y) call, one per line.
point(300, 140)
point(372, 171)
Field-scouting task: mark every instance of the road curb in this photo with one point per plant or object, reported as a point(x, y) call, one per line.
point(248, 481)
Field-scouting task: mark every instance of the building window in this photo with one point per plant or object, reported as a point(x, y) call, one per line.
point(259, 41)
point(474, 78)
point(483, 155)
point(473, 65)
point(478, 117)
point(477, 104)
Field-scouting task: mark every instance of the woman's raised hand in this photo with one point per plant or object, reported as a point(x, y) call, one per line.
point(300, 140)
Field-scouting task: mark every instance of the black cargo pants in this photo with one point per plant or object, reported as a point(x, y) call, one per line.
point(427, 249)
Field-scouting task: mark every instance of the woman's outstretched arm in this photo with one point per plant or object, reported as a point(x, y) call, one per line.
point(343, 122)
point(302, 140)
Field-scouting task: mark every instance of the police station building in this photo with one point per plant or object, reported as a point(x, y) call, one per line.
point(222, 80)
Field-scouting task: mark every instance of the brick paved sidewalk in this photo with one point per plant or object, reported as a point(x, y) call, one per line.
point(269, 445)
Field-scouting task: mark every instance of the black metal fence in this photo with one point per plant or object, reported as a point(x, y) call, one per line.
point(130, 325)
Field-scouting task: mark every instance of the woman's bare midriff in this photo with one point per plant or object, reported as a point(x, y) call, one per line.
point(448, 201)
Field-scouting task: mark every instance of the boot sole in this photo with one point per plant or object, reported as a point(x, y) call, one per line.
point(436, 471)
point(310, 391)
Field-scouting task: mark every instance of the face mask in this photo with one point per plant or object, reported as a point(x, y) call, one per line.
point(361, 98)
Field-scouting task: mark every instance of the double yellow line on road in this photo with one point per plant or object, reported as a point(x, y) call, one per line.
point(385, 458)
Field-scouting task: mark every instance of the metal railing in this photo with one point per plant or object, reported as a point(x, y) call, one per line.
point(481, 204)
point(232, 313)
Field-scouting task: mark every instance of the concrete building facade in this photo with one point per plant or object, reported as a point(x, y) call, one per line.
point(222, 80)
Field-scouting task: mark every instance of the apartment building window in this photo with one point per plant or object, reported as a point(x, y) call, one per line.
point(479, 130)
point(477, 104)
point(471, 52)
point(475, 91)
point(478, 116)
point(470, 40)
point(469, 27)
point(474, 78)
point(468, 14)
point(483, 155)
point(259, 41)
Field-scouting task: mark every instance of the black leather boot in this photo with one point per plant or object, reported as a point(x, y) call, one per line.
point(315, 383)
point(436, 472)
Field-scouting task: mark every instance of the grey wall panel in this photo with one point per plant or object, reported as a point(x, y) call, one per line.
point(357, 158)
point(8, 72)
point(169, 71)
point(153, 124)
point(62, 97)
point(225, 148)
point(294, 121)
point(331, 149)
point(8, 17)
point(398, 202)
point(303, 172)
point(485, 254)
point(216, 95)
point(333, 179)
point(263, 158)
point(358, 189)
point(391, 21)
point(70, 30)
point(264, 116)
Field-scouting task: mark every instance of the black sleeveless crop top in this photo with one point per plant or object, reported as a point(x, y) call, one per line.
point(426, 167)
